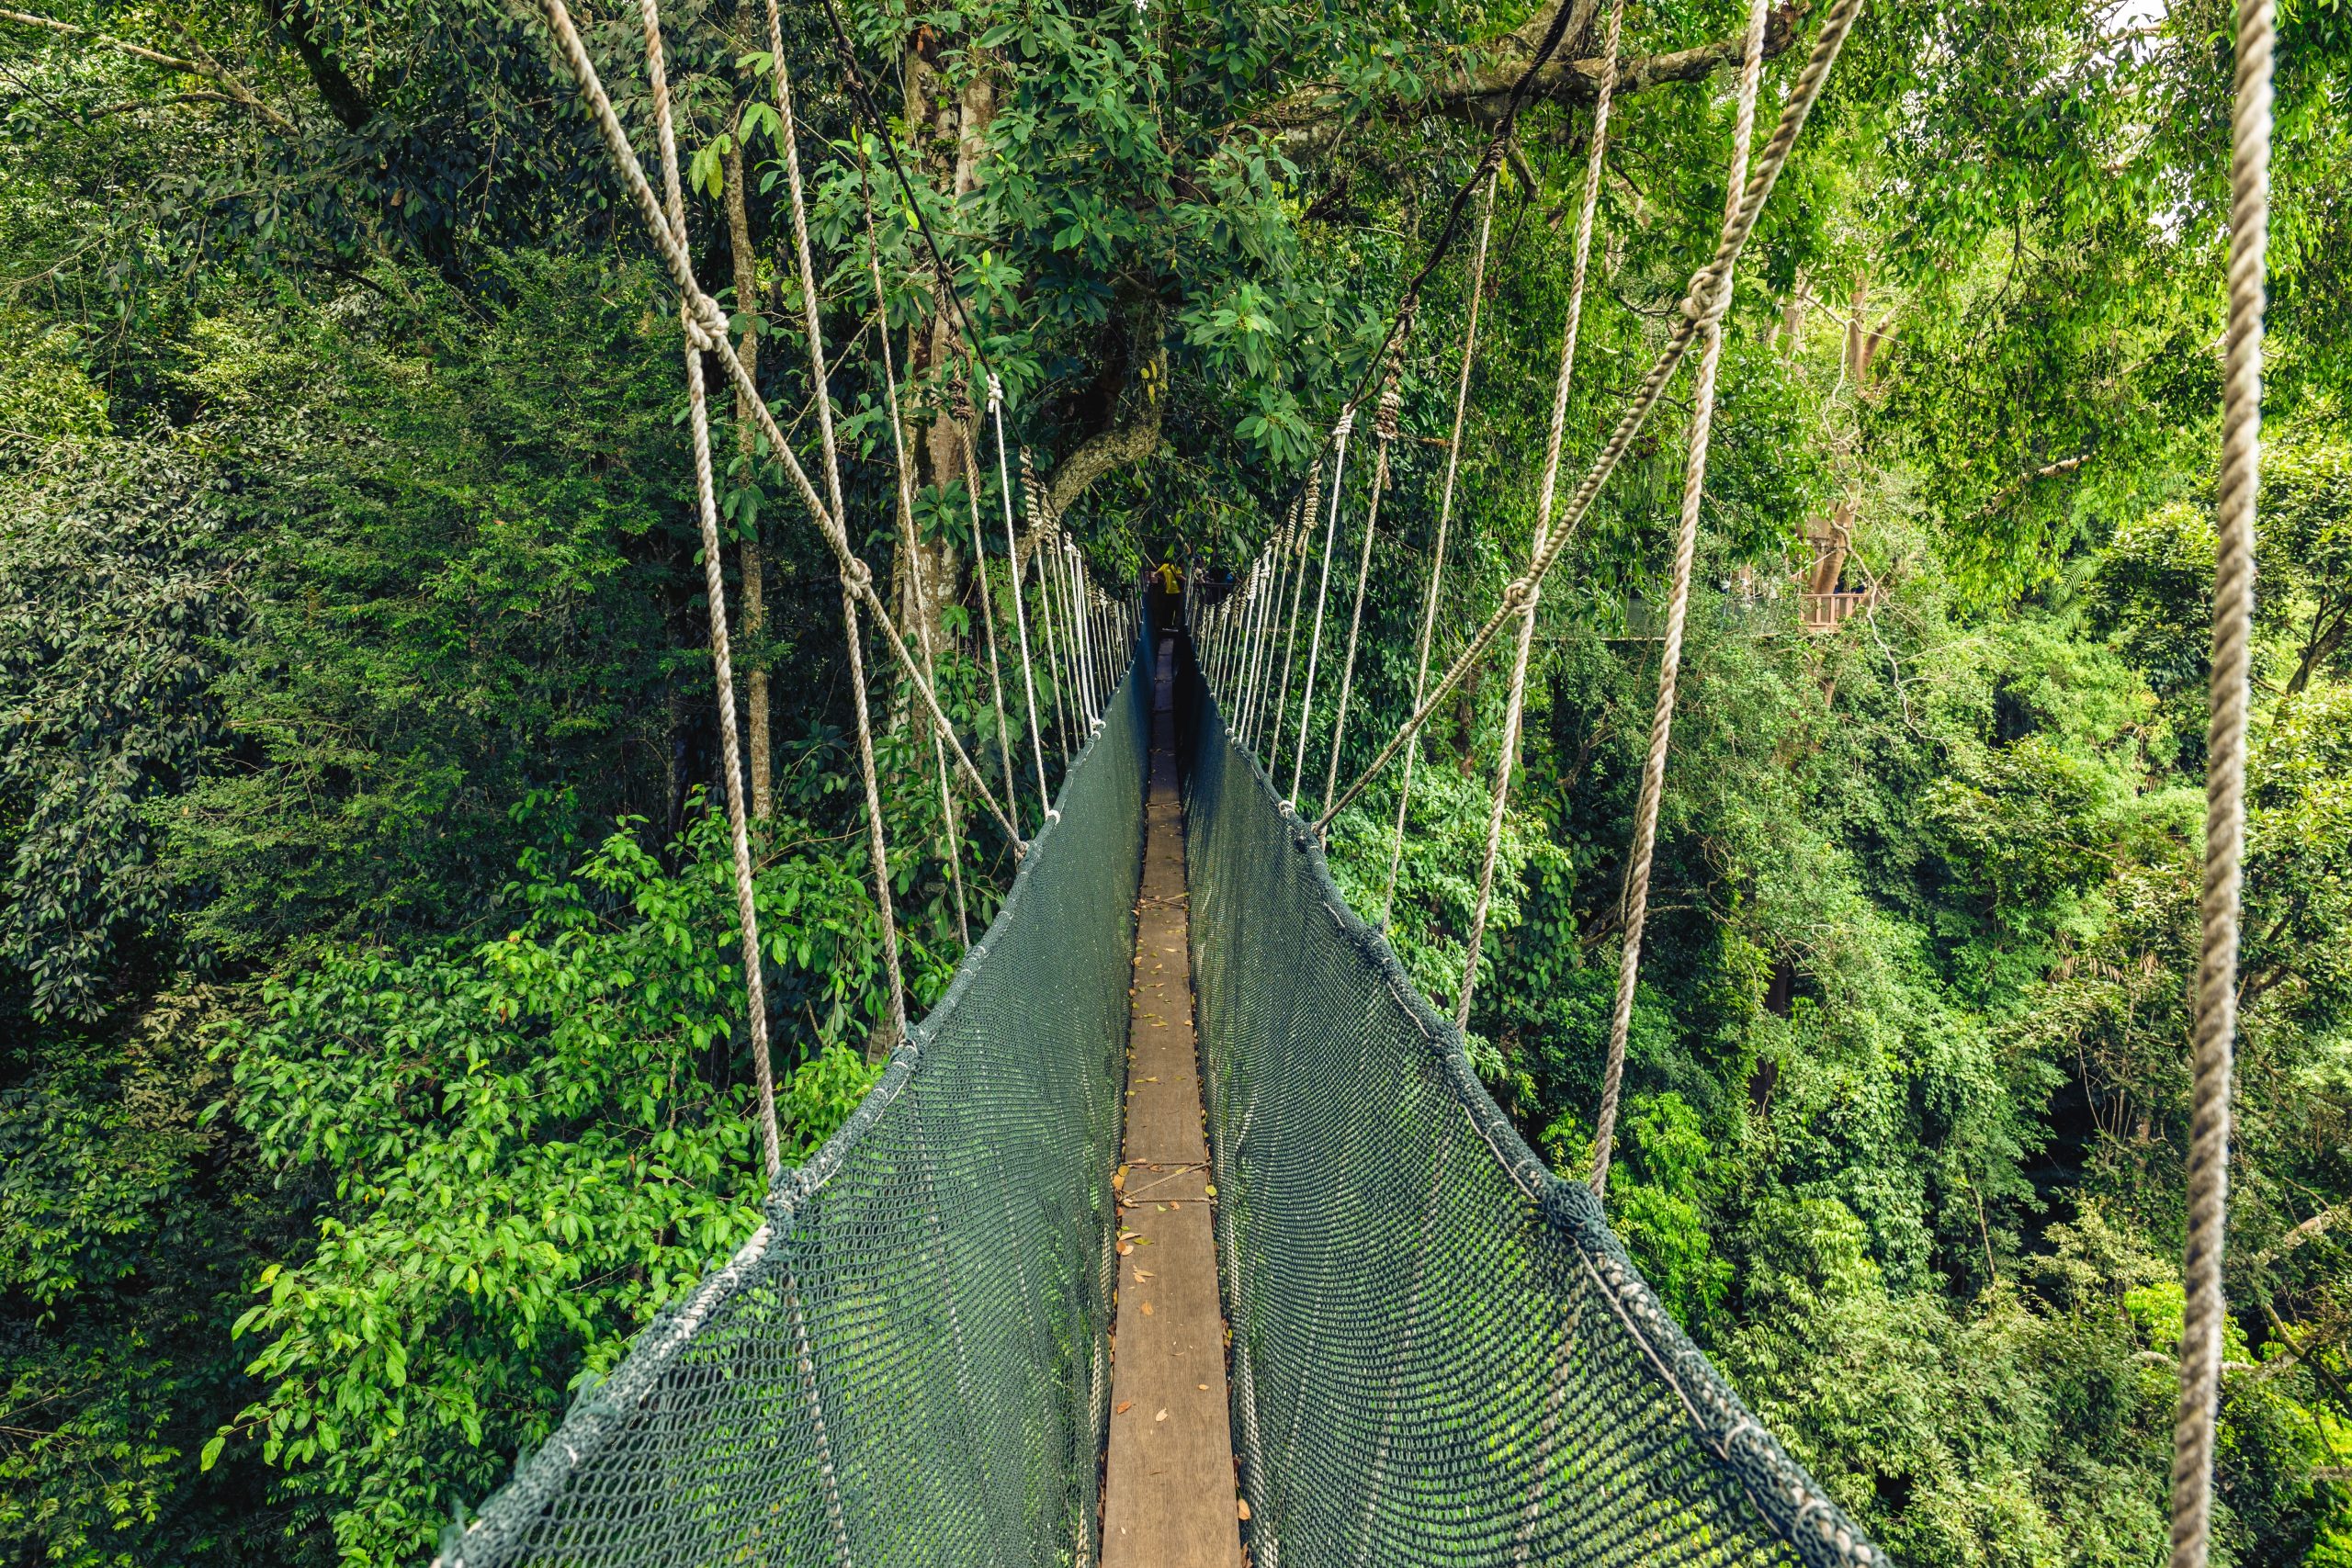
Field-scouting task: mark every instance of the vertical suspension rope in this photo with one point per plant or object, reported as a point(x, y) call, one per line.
point(950, 824)
point(2204, 1310)
point(1694, 480)
point(1384, 429)
point(1305, 532)
point(1322, 592)
point(755, 1005)
point(878, 848)
point(1055, 675)
point(967, 435)
point(1020, 616)
point(1445, 516)
point(1525, 594)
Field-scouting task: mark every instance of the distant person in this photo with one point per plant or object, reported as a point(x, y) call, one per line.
point(1168, 594)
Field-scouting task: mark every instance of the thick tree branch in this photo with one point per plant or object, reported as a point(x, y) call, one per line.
point(232, 88)
point(1129, 440)
point(1307, 120)
point(343, 95)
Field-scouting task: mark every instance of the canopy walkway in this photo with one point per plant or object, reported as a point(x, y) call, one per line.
point(1440, 1355)
point(1435, 1350)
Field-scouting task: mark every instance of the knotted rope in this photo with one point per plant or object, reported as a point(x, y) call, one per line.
point(699, 338)
point(1694, 481)
point(712, 321)
point(1834, 29)
point(2203, 1311)
point(1444, 517)
point(1528, 589)
point(854, 574)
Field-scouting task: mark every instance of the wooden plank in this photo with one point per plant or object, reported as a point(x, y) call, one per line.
point(1169, 1498)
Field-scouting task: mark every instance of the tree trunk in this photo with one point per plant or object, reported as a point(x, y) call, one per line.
point(755, 610)
point(950, 129)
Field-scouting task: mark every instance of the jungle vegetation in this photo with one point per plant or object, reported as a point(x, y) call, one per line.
point(370, 1056)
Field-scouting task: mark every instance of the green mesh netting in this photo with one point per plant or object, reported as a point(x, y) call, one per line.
point(906, 1364)
point(1440, 1353)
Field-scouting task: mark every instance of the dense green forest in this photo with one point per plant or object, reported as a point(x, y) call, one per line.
point(371, 1062)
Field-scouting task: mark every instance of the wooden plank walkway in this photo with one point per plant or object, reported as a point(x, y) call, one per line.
point(1169, 1497)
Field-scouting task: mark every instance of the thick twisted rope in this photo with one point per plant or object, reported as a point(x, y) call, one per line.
point(706, 314)
point(2203, 1310)
point(1383, 430)
point(877, 849)
point(1445, 518)
point(673, 221)
point(1694, 482)
point(1322, 592)
point(1835, 29)
point(1529, 590)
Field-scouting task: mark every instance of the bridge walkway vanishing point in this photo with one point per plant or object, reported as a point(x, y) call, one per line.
point(1169, 1495)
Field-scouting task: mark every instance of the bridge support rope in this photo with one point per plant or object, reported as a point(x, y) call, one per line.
point(1694, 480)
point(2204, 1310)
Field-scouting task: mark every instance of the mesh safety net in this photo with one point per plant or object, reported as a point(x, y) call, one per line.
point(1440, 1353)
point(907, 1363)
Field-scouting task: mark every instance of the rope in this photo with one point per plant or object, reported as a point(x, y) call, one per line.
point(1694, 482)
point(1322, 592)
point(967, 435)
point(1444, 517)
point(876, 845)
point(2203, 1311)
point(708, 315)
point(1020, 616)
point(1302, 528)
point(1046, 618)
point(951, 828)
point(1528, 591)
point(1384, 429)
point(1834, 29)
point(673, 222)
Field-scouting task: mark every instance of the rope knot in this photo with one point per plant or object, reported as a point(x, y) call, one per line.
point(996, 392)
point(1708, 298)
point(1392, 403)
point(1520, 596)
point(706, 324)
point(856, 576)
point(1346, 422)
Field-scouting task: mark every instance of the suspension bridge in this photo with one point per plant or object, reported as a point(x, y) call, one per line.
point(1181, 1231)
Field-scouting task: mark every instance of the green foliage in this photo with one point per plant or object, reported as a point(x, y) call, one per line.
point(532, 1146)
point(104, 710)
